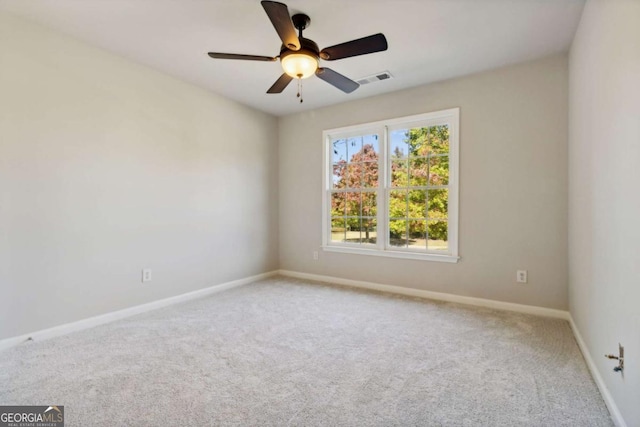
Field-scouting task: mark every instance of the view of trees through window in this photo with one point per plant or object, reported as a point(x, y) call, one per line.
point(354, 206)
point(416, 194)
point(418, 198)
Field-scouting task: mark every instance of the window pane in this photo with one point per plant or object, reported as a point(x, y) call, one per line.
point(398, 233)
point(439, 139)
point(437, 236)
point(418, 234)
point(398, 204)
point(438, 204)
point(399, 147)
point(339, 150)
point(354, 148)
point(338, 230)
point(354, 175)
point(399, 173)
point(370, 148)
point(352, 201)
point(418, 139)
point(337, 204)
point(339, 176)
point(417, 204)
point(364, 148)
point(418, 172)
point(439, 170)
point(369, 204)
point(370, 174)
point(353, 230)
point(369, 231)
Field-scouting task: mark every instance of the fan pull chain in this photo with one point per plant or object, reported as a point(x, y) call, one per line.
point(299, 95)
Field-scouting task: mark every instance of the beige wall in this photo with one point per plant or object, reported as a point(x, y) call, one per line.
point(108, 167)
point(604, 192)
point(513, 186)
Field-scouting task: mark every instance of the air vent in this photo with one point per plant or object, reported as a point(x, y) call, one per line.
point(383, 75)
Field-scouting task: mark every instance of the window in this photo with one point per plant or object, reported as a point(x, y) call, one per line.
point(391, 188)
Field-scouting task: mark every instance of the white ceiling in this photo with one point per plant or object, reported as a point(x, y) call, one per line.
point(429, 40)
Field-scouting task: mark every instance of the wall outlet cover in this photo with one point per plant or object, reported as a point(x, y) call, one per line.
point(521, 276)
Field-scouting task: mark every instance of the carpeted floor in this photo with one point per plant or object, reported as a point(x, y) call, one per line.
point(288, 352)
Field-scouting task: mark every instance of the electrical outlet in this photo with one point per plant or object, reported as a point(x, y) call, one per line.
point(146, 275)
point(521, 276)
point(315, 255)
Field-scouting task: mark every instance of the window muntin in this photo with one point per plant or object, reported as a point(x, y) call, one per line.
point(391, 187)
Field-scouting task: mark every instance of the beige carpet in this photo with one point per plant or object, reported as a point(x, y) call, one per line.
point(286, 352)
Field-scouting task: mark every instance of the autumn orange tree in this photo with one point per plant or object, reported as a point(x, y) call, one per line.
point(360, 177)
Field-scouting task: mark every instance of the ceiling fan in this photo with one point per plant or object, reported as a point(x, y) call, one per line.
point(300, 57)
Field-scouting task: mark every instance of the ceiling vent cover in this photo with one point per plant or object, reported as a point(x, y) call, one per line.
point(383, 75)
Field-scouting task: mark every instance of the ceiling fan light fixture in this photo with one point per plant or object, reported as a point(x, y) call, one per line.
point(299, 64)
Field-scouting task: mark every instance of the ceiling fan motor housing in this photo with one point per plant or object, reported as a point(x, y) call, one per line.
point(306, 45)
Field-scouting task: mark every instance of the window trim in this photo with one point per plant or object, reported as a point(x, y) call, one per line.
point(451, 117)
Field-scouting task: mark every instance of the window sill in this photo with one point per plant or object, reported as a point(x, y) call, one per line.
point(393, 254)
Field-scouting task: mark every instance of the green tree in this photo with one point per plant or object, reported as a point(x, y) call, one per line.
point(420, 160)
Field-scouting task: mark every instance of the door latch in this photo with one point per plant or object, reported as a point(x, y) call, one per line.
point(619, 358)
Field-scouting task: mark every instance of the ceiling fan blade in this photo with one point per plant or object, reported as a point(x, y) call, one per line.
point(218, 55)
point(363, 46)
point(336, 79)
point(281, 20)
point(280, 84)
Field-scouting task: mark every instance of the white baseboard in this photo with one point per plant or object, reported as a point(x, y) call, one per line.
point(439, 296)
point(597, 377)
point(127, 312)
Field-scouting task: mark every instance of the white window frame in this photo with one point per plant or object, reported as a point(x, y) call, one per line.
point(451, 118)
